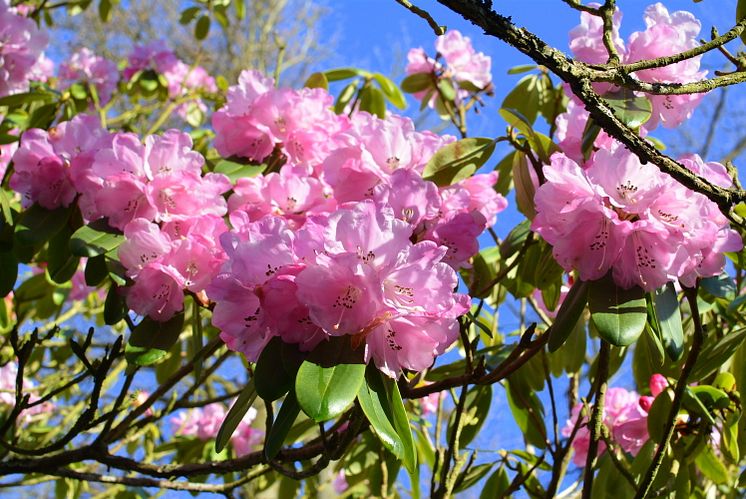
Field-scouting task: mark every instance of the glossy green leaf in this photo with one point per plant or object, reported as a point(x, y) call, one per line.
point(325, 392)
point(37, 225)
point(568, 315)
point(458, 159)
point(445, 87)
point(9, 274)
point(61, 263)
point(345, 96)
point(25, 98)
point(341, 74)
point(317, 80)
point(590, 134)
point(633, 110)
point(711, 466)
point(658, 415)
point(524, 97)
point(521, 69)
point(96, 270)
point(730, 436)
point(281, 426)
point(235, 170)
point(150, 341)
point(202, 27)
point(496, 484)
point(96, 238)
point(238, 410)
point(528, 413)
point(524, 185)
point(390, 91)
point(417, 82)
point(618, 314)
point(188, 15)
point(474, 475)
point(669, 319)
point(715, 355)
point(271, 379)
point(372, 101)
point(240, 9)
point(381, 402)
point(740, 14)
point(505, 174)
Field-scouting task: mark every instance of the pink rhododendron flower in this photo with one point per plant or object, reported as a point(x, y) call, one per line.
point(456, 60)
point(620, 215)
point(86, 67)
point(658, 384)
point(665, 34)
point(623, 415)
point(21, 51)
point(339, 484)
point(245, 438)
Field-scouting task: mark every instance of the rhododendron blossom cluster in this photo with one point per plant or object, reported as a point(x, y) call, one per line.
point(665, 34)
point(455, 60)
point(621, 215)
point(625, 415)
point(204, 423)
point(22, 45)
point(603, 210)
point(324, 247)
point(85, 66)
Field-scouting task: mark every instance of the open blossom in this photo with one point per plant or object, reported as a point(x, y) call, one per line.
point(21, 48)
point(623, 415)
point(666, 33)
point(204, 423)
point(621, 215)
point(457, 60)
point(86, 67)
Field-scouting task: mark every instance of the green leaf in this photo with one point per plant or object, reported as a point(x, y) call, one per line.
point(711, 466)
point(281, 426)
point(740, 14)
point(417, 82)
point(658, 415)
point(9, 274)
point(528, 413)
point(390, 91)
point(7, 214)
point(271, 379)
point(372, 101)
point(150, 341)
point(590, 134)
point(345, 96)
point(631, 109)
point(524, 185)
point(341, 74)
point(236, 169)
point(505, 174)
point(317, 80)
point(618, 314)
point(104, 10)
point(62, 264)
point(669, 318)
point(515, 239)
point(446, 89)
point(496, 484)
point(521, 69)
point(235, 414)
point(381, 402)
point(325, 392)
point(475, 474)
point(37, 225)
point(568, 315)
point(96, 238)
point(458, 160)
point(202, 28)
point(714, 356)
point(730, 436)
point(540, 143)
point(25, 98)
point(240, 9)
point(524, 97)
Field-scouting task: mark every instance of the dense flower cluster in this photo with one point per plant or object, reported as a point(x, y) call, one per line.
point(324, 248)
point(621, 215)
point(181, 78)
point(86, 67)
point(456, 60)
point(665, 34)
point(608, 211)
point(346, 238)
point(204, 423)
point(625, 415)
point(22, 45)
